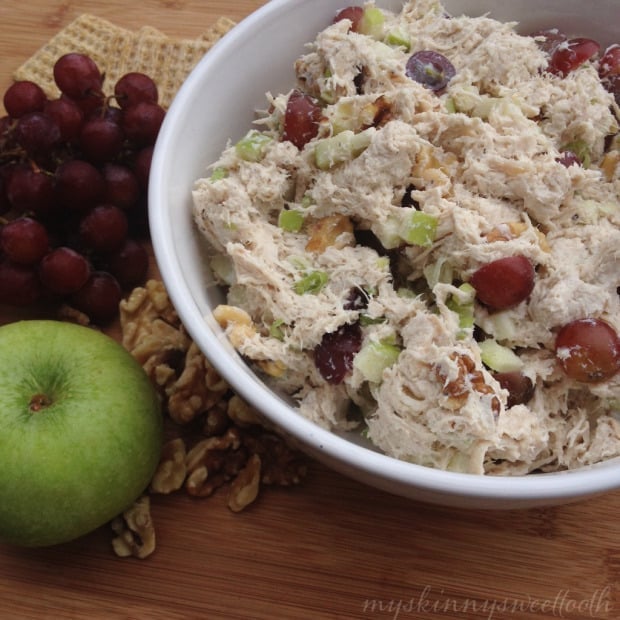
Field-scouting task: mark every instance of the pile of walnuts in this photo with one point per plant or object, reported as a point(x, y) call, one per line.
point(214, 438)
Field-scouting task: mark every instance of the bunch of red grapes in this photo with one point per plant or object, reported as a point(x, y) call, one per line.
point(73, 189)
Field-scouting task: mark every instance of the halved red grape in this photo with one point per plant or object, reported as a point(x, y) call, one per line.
point(520, 388)
point(301, 119)
point(610, 62)
point(588, 350)
point(24, 240)
point(504, 283)
point(431, 69)
point(548, 39)
point(23, 97)
point(98, 298)
point(571, 55)
point(334, 355)
point(64, 271)
point(133, 88)
point(77, 75)
point(568, 159)
point(353, 13)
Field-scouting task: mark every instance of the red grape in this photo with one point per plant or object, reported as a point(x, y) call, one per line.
point(141, 122)
point(549, 39)
point(30, 189)
point(568, 159)
point(520, 388)
point(572, 54)
point(301, 119)
point(588, 350)
point(22, 97)
point(129, 264)
point(67, 115)
point(77, 75)
point(610, 62)
point(79, 185)
point(431, 69)
point(122, 186)
point(334, 355)
point(142, 166)
point(99, 298)
point(24, 240)
point(103, 228)
point(133, 88)
point(19, 284)
point(504, 283)
point(37, 133)
point(352, 13)
point(64, 271)
point(101, 139)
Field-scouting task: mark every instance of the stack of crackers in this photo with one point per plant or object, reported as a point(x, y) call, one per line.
point(118, 50)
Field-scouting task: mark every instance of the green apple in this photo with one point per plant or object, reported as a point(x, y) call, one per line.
point(80, 431)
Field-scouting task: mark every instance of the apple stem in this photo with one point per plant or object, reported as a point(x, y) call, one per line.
point(38, 402)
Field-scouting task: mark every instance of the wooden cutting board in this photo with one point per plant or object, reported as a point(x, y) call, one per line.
point(331, 548)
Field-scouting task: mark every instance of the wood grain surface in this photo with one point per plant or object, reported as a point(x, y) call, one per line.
point(330, 548)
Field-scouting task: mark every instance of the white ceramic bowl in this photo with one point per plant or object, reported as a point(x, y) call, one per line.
point(217, 103)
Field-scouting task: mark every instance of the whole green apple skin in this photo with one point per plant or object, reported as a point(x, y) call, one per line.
point(83, 457)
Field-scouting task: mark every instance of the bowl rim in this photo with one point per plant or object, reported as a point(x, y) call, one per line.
point(386, 470)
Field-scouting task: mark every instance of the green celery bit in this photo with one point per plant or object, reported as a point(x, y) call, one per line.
point(421, 229)
point(369, 320)
point(450, 105)
point(290, 220)
point(398, 38)
point(498, 357)
point(342, 147)
point(464, 308)
point(218, 174)
point(372, 22)
point(275, 329)
point(252, 146)
point(581, 149)
point(374, 358)
point(311, 283)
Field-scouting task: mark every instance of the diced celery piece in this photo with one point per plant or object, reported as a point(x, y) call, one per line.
point(581, 149)
point(372, 22)
point(252, 146)
point(498, 357)
point(275, 329)
point(440, 271)
point(369, 320)
point(398, 38)
point(311, 283)
point(218, 174)
point(450, 106)
point(307, 201)
point(420, 229)
point(223, 268)
point(290, 220)
point(342, 147)
point(463, 305)
point(374, 358)
point(387, 232)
